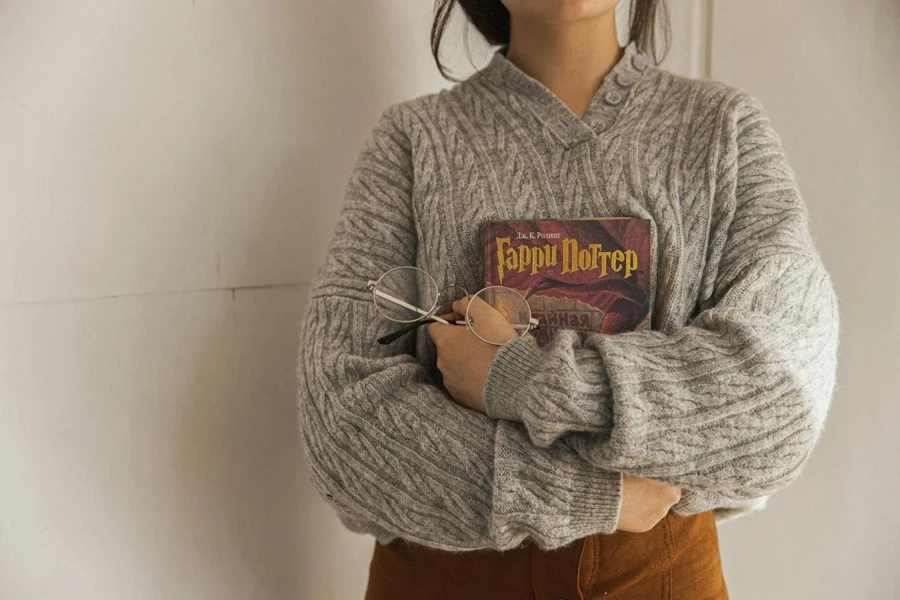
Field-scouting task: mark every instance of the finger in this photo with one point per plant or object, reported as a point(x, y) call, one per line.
point(476, 309)
point(460, 306)
point(479, 307)
point(435, 328)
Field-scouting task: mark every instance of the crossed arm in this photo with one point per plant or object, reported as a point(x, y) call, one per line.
point(728, 407)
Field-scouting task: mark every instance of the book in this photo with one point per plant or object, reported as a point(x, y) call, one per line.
point(590, 274)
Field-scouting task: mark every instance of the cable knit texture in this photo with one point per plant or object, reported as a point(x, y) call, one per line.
point(725, 396)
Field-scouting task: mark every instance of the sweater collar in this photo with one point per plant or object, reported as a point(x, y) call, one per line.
point(604, 108)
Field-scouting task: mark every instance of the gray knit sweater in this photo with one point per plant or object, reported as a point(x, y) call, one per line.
point(726, 396)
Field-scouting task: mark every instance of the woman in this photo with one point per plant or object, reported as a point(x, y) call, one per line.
point(576, 470)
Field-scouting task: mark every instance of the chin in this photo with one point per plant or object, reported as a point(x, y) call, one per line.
point(559, 11)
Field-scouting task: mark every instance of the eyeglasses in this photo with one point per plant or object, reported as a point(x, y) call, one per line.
point(411, 295)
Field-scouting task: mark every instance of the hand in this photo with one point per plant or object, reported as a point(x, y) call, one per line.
point(645, 502)
point(462, 358)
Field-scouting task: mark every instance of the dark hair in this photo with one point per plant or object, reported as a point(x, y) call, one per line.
point(491, 19)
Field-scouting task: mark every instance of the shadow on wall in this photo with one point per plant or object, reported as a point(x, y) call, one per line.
point(243, 486)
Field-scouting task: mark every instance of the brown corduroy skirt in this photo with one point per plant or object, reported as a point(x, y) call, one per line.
point(676, 560)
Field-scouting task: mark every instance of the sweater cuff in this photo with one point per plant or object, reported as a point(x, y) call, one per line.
point(554, 493)
point(597, 494)
point(513, 366)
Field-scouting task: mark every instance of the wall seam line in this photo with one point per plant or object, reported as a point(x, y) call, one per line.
point(232, 289)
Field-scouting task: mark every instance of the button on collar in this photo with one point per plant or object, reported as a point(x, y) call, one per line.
point(626, 79)
point(639, 61)
point(614, 97)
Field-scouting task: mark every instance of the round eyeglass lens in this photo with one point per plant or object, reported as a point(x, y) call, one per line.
point(405, 294)
point(511, 305)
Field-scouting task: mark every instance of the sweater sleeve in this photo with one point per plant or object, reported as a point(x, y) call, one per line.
point(730, 405)
point(388, 448)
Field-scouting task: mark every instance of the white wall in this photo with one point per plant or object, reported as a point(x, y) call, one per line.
point(829, 75)
point(170, 173)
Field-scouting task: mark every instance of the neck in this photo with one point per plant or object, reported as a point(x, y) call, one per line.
point(570, 59)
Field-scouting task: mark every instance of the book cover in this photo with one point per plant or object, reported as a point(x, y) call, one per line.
point(590, 274)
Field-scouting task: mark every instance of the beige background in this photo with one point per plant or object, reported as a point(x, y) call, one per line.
point(170, 173)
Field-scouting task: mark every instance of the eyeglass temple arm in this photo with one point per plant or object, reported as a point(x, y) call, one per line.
point(387, 339)
point(388, 297)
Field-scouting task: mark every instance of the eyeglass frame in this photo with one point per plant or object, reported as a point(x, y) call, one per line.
point(372, 284)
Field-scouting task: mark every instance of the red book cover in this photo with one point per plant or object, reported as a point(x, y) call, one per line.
point(589, 274)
